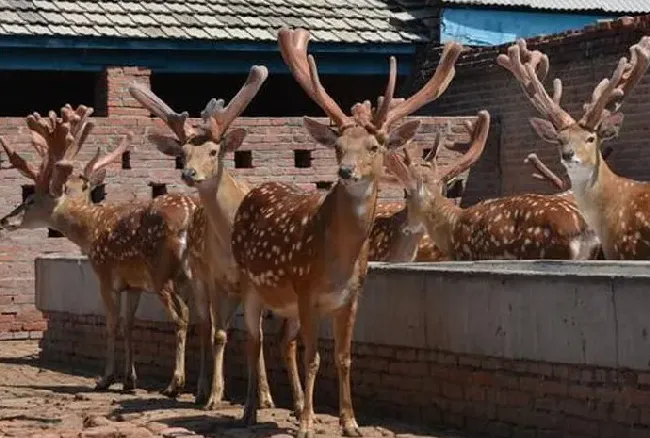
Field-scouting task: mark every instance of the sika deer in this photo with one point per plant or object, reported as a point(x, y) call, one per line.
point(520, 227)
point(203, 147)
point(614, 207)
point(132, 247)
point(305, 254)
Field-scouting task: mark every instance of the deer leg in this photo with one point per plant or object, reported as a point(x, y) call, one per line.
point(289, 345)
point(309, 329)
point(178, 311)
point(253, 318)
point(112, 304)
point(266, 400)
point(202, 308)
point(130, 378)
point(343, 325)
point(222, 308)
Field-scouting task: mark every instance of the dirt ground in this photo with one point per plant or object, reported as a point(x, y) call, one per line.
point(52, 400)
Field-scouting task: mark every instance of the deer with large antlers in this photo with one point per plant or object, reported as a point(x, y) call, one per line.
point(132, 247)
point(203, 146)
point(614, 207)
point(522, 227)
point(305, 254)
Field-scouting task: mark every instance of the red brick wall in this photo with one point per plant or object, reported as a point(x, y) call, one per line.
point(581, 60)
point(484, 395)
point(272, 141)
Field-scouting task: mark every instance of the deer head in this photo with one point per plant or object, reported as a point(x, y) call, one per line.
point(361, 140)
point(425, 181)
point(57, 140)
point(578, 141)
point(204, 144)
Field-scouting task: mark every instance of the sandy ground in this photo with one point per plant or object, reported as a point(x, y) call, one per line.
point(40, 399)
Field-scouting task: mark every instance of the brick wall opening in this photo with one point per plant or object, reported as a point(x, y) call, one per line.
point(42, 91)
point(157, 189)
point(126, 160)
point(324, 185)
point(302, 158)
point(243, 159)
point(98, 194)
point(280, 96)
point(179, 163)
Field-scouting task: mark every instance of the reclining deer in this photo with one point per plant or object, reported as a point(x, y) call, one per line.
point(132, 247)
point(615, 207)
point(520, 227)
point(203, 146)
point(304, 254)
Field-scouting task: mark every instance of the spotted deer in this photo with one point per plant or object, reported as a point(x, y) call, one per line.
point(615, 207)
point(132, 247)
point(203, 146)
point(520, 227)
point(304, 254)
point(394, 239)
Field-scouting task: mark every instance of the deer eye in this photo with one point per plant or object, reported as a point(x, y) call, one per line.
point(213, 152)
point(374, 148)
point(591, 139)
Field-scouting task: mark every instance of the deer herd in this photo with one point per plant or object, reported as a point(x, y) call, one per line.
point(304, 254)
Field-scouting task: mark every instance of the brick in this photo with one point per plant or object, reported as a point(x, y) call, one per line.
point(451, 390)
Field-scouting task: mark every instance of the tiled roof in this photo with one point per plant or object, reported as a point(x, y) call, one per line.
point(351, 21)
point(624, 6)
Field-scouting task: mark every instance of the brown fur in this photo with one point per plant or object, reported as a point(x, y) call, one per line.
point(132, 247)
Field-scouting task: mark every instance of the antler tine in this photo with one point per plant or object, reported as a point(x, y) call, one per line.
point(399, 167)
point(608, 96)
point(546, 173)
point(178, 123)
point(435, 147)
point(530, 69)
point(18, 162)
point(479, 138)
point(293, 47)
point(432, 89)
point(118, 151)
point(385, 103)
point(223, 117)
point(80, 127)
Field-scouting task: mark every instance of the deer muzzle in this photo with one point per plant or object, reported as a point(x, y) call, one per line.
point(14, 219)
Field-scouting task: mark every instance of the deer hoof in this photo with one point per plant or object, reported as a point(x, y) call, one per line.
point(129, 385)
point(266, 402)
point(351, 431)
point(104, 383)
point(213, 404)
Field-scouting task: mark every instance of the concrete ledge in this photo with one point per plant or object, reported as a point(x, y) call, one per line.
point(592, 313)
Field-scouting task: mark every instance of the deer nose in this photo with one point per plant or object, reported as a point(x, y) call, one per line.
point(346, 171)
point(188, 174)
point(568, 155)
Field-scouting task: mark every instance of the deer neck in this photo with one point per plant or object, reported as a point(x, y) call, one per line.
point(600, 197)
point(408, 237)
point(77, 220)
point(348, 215)
point(221, 198)
point(440, 222)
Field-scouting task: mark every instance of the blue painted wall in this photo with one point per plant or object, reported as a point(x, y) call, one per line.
point(170, 56)
point(484, 27)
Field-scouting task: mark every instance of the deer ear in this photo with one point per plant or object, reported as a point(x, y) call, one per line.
point(545, 130)
point(233, 139)
point(97, 178)
point(402, 135)
point(166, 144)
point(320, 132)
point(610, 126)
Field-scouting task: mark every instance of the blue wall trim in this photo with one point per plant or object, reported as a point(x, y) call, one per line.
point(491, 27)
point(170, 56)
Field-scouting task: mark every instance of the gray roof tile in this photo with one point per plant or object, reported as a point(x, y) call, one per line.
point(249, 20)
